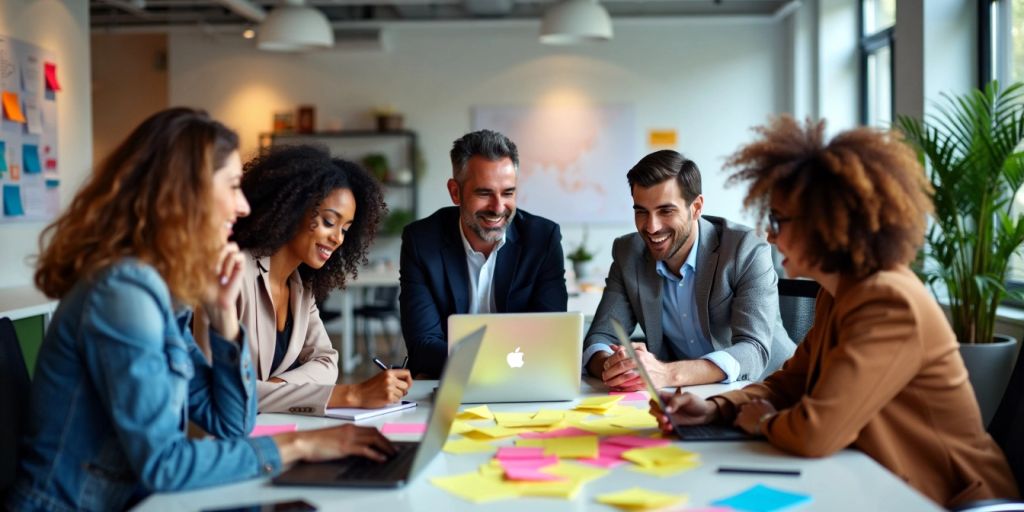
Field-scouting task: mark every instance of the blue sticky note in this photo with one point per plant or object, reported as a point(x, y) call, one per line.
point(3, 156)
point(51, 183)
point(12, 201)
point(30, 157)
point(761, 498)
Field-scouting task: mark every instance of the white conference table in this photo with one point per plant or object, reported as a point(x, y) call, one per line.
point(846, 481)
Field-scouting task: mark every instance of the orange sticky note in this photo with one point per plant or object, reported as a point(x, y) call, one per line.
point(51, 76)
point(12, 107)
point(662, 138)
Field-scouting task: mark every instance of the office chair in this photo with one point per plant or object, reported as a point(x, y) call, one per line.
point(15, 384)
point(381, 305)
point(796, 304)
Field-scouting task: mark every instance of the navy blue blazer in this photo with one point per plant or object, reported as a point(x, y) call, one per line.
point(529, 277)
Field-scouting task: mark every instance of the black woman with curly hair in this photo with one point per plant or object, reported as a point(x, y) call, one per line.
point(312, 221)
point(879, 371)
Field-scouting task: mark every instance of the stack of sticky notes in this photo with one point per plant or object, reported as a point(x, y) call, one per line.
point(640, 499)
point(598, 404)
point(661, 460)
point(576, 447)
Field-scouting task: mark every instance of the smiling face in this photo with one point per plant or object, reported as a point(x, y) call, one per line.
point(228, 199)
point(486, 200)
point(665, 221)
point(323, 229)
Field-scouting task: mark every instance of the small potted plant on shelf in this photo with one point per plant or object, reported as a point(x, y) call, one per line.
point(378, 165)
point(579, 256)
point(971, 149)
point(388, 119)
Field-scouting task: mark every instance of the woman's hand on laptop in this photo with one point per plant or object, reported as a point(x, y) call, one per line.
point(685, 409)
point(333, 443)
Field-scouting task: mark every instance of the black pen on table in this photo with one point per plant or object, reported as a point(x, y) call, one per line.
point(759, 471)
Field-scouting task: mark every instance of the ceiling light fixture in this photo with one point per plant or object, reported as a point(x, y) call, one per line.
point(295, 27)
point(248, 33)
point(575, 21)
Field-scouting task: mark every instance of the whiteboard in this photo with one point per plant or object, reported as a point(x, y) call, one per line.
point(29, 178)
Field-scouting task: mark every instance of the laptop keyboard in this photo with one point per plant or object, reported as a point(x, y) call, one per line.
point(395, 468)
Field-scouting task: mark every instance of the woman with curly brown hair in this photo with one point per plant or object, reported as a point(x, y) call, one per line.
point(119, 376)
point(879, 370)
point(313, 219)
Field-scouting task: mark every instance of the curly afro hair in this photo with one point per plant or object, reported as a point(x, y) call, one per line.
point(860, 201)
point(286, 183)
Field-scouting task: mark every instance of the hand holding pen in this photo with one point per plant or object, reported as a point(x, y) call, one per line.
point(387, 387)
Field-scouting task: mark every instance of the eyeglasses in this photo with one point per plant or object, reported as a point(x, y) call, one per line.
point(775, 222)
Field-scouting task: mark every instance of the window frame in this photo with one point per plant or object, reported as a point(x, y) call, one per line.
point(870, 45)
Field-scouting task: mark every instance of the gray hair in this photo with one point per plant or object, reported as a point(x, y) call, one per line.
point(486, 143)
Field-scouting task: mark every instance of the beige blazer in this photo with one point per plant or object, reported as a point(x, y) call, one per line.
point(308, 387)
point(880, 371)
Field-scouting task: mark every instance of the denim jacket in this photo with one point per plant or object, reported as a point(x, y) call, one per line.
point(117, 380)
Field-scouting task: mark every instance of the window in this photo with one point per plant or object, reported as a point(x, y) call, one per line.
point(1001, 38)
point(876, 27)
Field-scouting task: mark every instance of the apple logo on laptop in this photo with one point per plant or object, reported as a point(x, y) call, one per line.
point(515, 359)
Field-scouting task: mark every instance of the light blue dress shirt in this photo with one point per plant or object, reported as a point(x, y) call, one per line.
point(679, 321)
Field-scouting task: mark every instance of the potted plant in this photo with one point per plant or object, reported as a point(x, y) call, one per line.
point(378, 166)
point(579, 256)
point(971, 149)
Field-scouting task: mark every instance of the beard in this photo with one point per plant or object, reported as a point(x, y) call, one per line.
point(491, 235)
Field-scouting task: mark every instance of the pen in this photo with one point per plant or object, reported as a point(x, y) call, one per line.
point(380, 364)
point(405, 363)
point(759, 471)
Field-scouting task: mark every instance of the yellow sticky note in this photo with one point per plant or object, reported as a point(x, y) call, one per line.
point(501, 418)
point(459, 427)
point(495, 432)
point(564, 489)
point(665, 470)
point(637, 498)
point(475, 487)
point(463, 446)
point(662, 138)
point(12, 107)
point(576, 472)
point(599, 402)
point(659, 456)
point(492, 469)
point(577, 447)
point(635, 421)
point(476, 413)
point(574, 417)
point(604, 427)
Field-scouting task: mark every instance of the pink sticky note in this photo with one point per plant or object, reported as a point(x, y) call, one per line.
point(613, 451)
point(403, 428)
point(529, 474)
point(636, 441)
point(562, 432)
point(529, 463)
point(631, 396)
point(520, 452)
point(269, 430)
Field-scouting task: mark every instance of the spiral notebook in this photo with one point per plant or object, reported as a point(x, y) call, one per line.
point(357, 414)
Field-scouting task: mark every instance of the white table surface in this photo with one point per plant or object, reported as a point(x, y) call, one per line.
point(846, 481)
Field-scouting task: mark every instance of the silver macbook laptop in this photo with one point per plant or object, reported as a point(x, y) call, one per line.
point(525, 357)
point(411, 458)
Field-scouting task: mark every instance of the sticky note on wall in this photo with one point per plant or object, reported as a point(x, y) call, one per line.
point(12, 107)
point(12, 201)
point(30, 159)
point(662, 138)
point(3, 156)
point(51, 76)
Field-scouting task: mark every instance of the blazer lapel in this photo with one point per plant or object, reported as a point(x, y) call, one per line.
point(453, 256)
point(505, 269)
point(707, 267)
point(266, 321)
point(300, 318)
point(649, 288)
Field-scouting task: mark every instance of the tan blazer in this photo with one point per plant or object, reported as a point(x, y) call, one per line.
point(880, 371)
point(308, 387)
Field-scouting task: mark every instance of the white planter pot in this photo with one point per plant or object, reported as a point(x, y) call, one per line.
point(989, 366)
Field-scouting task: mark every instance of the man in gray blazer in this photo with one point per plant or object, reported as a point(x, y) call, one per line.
point(703, 289)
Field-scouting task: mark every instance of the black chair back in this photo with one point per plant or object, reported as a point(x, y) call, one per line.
point(14, 393)
point(1007, 426)
point(796, 305)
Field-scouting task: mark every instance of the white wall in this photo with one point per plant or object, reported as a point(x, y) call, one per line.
point(63, 28)
point(709, 79)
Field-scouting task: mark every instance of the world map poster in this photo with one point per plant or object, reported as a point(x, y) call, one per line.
point(573, 159)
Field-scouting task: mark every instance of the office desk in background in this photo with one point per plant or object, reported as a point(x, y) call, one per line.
point(846, 481)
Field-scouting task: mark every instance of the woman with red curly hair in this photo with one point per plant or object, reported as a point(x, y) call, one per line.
point(879, 370)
